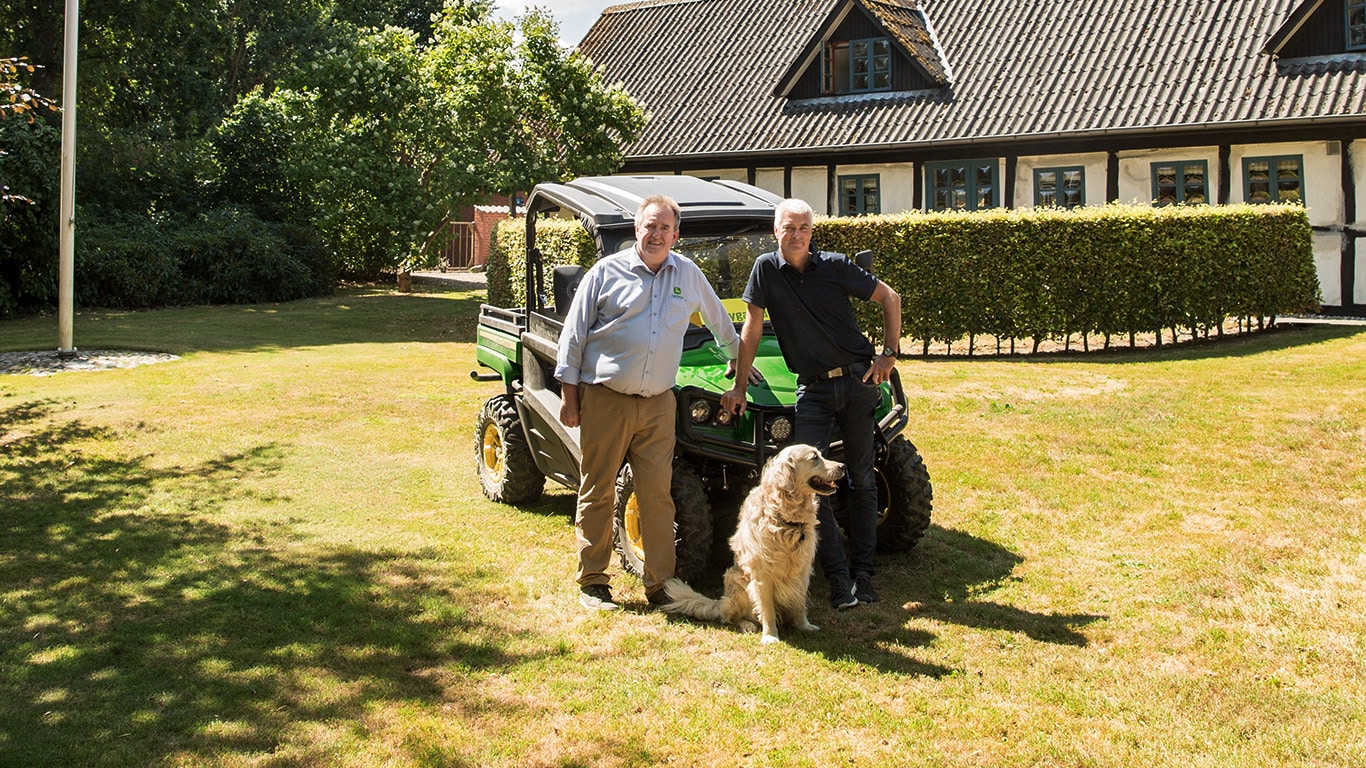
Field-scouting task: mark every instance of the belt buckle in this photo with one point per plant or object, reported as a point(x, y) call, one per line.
point(834, 373)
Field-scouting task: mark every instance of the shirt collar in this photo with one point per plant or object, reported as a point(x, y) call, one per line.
point(637, 264)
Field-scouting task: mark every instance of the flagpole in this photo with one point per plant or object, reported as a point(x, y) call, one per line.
point(66, 240)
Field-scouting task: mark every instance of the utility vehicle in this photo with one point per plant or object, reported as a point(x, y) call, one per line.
point(519, 440)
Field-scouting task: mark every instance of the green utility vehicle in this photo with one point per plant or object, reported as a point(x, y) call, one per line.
point(519, 440)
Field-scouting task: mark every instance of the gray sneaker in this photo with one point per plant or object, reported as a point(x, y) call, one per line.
point(597, 597)
point(842, 593)
point(863, 588)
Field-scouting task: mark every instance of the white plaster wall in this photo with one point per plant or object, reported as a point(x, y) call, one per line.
point(1322, 175)
point(809, 184)
point(1359, 294)
point(770, 179)
point(1136, 171)
point(1328, 264)
point(896, 183)
point(1095, 181)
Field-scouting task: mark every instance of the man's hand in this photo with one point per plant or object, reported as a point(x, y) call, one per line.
point(754, 376)
point(569, 405)
point(733, 399)
point(881, 369)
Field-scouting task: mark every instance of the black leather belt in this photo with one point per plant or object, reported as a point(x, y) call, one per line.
point(857, 369)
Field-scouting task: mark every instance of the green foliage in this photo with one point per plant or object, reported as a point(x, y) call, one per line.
point(1046, 274)
point(28, 219)
point(228, 256)
point(357, 126)
point(562, 241)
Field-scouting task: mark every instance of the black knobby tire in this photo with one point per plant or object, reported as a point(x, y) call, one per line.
point(692, 523)
point(905, 497)
point(507, 471)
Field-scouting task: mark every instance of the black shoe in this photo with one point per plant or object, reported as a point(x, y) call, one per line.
point(842, 593)
point(863, 588)
point(659, 598)
point(597, 597)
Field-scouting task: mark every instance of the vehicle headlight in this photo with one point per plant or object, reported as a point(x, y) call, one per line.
point(700, 411)
point(724, 417)
point(780, 429)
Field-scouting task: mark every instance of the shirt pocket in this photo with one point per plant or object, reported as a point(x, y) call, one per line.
point(676, 314)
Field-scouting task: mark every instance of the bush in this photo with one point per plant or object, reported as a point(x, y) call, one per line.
point(1037, 274)
point(227, 256)
point(29, 167)
point(561, 241)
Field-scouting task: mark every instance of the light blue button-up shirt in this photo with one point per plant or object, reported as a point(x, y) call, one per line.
point(625, 326)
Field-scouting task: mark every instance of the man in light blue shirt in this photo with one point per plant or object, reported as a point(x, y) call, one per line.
point(617, 360)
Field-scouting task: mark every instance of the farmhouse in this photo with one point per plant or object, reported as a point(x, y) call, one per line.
point(882, 106)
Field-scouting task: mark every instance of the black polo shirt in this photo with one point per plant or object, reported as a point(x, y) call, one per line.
point(811, 311)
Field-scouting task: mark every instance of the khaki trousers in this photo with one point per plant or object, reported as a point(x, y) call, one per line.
point(614, 427)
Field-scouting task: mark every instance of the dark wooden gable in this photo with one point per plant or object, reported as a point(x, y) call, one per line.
point(909, 44)
point(1315, 28)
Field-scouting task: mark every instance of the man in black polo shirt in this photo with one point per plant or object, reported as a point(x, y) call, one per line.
point(807, 294)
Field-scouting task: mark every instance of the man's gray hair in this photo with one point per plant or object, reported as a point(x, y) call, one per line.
point(792, 205)
point(663, 201)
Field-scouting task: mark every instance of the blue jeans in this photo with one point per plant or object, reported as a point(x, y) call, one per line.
point(851, 404)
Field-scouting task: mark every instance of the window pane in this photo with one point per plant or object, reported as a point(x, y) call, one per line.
point(1071, 198)
point(1047, 180)
point(1071, 179)
point(860, 83)
point(1288, 180)
point(1259, 182)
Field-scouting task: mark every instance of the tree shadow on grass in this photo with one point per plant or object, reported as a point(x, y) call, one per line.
point(942, 579)
point(135, 631)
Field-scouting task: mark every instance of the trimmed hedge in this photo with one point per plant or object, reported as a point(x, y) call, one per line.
point(562, 241)
point(1039, 274)
point(1114, 270)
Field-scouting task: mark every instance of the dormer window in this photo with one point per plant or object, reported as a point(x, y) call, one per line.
point(856, 66)
point(1356, 25)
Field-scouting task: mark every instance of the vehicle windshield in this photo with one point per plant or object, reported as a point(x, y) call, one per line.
point(727, 259)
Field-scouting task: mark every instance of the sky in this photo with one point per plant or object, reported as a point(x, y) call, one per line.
point(574, 16)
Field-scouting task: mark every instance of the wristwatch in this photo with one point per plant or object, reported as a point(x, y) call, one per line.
point(889, 351)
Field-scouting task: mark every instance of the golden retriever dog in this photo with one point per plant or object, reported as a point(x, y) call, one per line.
point(774, 546)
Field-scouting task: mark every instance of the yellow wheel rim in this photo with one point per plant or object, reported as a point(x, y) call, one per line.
point(493, 452)
point(632, 519)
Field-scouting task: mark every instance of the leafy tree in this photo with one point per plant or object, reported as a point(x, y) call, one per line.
point(388, 138)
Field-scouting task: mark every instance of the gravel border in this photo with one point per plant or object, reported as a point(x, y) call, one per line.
point(48, 363)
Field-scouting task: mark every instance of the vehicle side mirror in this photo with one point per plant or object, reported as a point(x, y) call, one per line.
point(565, 283)
point(865, 260)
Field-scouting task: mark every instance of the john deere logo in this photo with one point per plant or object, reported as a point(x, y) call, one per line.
point(678, 291)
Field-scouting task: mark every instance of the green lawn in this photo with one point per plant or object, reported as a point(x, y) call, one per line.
point(274, 552)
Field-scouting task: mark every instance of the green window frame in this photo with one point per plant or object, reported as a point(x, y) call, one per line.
point(1356, 24)
point(962, 185)
point(1061, 187)
point(860, 194)
point(856, 66)
point(1180, 181)
point(1273, 179)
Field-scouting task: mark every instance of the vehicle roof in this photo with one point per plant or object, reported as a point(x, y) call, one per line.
point(611, 201)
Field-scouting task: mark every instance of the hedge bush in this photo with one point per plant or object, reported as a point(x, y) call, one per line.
point(227, 256)
point(562, 241)
point(1036, 274)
